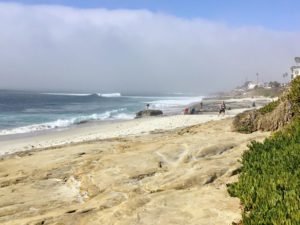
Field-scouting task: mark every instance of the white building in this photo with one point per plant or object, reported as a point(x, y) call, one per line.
point(251, 85)
point(295, 71)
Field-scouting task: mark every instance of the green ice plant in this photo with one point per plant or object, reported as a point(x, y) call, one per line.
point(269, 182)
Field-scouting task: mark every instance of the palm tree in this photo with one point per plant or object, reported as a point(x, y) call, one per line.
point(285, 75)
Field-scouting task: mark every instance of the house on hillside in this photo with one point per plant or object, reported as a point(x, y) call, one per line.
point(248, 85)
point(251, 85)
point(295, 71)
point(267, 85)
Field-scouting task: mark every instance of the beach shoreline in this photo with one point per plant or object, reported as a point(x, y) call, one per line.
point(122, 128)
point(101, 131)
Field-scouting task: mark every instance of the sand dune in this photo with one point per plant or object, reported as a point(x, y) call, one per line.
point(166, 177)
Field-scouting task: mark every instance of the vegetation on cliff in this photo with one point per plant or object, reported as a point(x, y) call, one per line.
point(268, 118)
point(260, 91)
point(294, 96)
point(269, 107)
point(269, 182)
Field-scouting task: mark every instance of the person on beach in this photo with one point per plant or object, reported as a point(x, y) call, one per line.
point(147, 106)
point(193, 111)
point(186, 111)
point(222, 108)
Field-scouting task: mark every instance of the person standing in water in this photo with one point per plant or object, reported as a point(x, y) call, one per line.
point(222, 108)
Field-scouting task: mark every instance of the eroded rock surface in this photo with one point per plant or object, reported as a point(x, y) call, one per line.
point(176, 177)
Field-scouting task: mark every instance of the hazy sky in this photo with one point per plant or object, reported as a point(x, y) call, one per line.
point(151, 46)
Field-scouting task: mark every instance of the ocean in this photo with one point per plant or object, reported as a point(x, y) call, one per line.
point(28, 112)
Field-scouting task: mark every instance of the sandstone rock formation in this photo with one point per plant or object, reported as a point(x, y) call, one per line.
point(269, 118)
point(175, 177)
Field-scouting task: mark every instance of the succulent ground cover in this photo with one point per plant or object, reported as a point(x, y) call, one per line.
point(269, 182)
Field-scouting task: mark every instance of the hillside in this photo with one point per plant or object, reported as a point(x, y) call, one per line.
point(269, 181)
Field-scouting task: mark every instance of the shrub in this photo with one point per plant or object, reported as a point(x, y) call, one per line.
point(294, 95)
point(269, 107)
point(269, 183)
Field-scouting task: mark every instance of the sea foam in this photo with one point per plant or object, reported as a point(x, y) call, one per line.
point(173, 102)
point(117, 114)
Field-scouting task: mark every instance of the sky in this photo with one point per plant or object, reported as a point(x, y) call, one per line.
point(145, 45)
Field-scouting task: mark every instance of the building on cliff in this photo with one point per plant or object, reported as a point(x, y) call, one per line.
point(296, 69)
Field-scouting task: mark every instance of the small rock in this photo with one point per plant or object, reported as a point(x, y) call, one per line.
point(148, 112)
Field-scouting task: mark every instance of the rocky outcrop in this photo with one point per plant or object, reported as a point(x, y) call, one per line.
point(175, 177)
point(148, 112)
point(251, 121)
point(269, 118)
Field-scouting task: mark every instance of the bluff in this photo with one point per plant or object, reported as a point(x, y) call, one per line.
point(272, 116)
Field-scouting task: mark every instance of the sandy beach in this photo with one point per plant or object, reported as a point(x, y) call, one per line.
point(100, 131)
point(96, 131)
point(162, 170)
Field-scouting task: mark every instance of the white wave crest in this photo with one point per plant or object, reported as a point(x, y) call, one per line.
point(117, 114)
point(109, 95)
point(174, 102)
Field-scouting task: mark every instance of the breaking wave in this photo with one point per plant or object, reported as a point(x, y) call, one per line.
point(174, 102)
point(118, 114)
point(110, 95)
